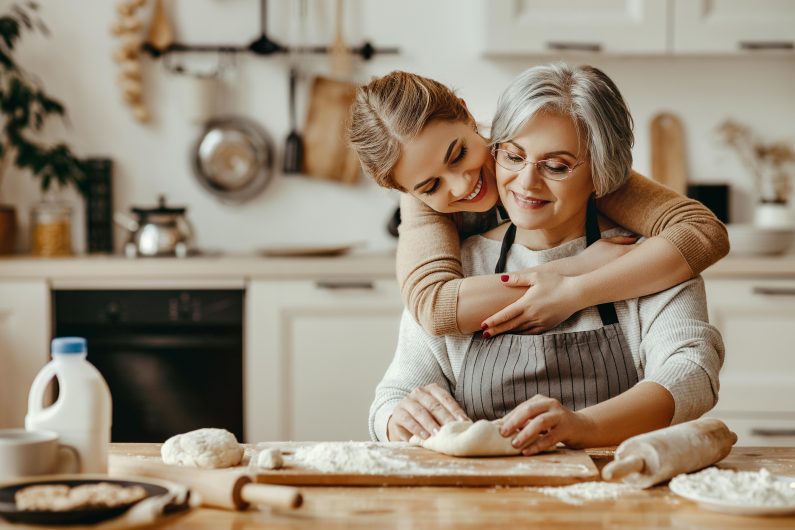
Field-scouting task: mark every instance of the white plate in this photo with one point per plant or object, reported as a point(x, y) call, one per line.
point(736, 509)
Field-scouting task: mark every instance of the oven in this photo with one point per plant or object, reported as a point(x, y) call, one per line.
point(173, 359)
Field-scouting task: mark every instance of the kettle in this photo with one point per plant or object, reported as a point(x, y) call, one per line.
point(160, 231)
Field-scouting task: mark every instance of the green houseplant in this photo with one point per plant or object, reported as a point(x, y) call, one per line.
point(25, 108)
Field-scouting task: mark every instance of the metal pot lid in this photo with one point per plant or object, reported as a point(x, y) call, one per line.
point(161, 209)
point(233, 158)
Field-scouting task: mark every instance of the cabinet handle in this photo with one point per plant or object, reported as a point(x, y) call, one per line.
point(773, 432)
point(774, 291)
point(343, 285)
point(575, 46)
point(766, 46)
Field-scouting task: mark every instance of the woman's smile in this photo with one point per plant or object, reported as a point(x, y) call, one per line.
point(478, 192)
point(528, 202)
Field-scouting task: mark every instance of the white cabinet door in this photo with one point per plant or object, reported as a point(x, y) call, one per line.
point(314, 354)
point(730, 26)
point(24, 344)
point(555, 26)
point(757, 321)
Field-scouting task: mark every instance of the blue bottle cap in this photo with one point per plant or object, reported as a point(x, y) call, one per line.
point(68, 345)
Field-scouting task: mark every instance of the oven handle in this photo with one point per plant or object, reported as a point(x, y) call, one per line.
point(774, 291)
point(164, 342)
point(771, 433)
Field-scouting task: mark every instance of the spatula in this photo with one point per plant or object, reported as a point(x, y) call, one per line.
point(294, 146)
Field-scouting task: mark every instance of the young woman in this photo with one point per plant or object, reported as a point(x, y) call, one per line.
point(415, 135)
point(609, 372)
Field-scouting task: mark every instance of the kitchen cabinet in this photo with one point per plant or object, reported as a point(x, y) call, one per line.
point(757, 320)
point(551, 27)
point(24, 344)
point(639, 27)
point(315, 351)
point(730, 26)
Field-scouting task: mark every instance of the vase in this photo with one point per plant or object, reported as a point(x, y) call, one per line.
point(8, 229)
point(774, 214)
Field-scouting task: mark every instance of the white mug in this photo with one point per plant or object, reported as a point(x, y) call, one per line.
point(28, 453)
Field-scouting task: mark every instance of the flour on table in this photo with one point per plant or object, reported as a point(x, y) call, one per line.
point(351, 457)
point(205, 448)
point(464, 438)
point(747, 488)
point(588, 491)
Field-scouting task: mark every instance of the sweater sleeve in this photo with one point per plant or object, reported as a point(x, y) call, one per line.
point(651, 209)
point(429, 265)
point(680, 349)
point(419, 361)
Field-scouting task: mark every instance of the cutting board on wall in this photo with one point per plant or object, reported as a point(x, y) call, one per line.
point(561, 467)
point(326, 152)
point(668, 163)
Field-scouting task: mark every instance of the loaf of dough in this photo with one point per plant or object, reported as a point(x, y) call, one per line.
point(464, 438)
point(205, 448)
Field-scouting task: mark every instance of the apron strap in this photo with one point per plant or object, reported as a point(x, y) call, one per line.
point(592, 234)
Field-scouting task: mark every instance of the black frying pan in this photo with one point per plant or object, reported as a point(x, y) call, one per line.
point(9, 511)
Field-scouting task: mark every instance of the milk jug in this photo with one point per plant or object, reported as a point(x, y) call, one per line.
point(82, 413)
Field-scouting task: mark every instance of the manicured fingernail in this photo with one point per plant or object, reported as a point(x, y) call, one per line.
point(504, 278)
point(484, 326)
point(486, 334)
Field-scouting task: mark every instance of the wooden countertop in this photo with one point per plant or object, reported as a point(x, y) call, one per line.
point(492, 508)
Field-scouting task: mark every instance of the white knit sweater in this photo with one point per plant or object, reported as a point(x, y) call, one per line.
point(671, 341)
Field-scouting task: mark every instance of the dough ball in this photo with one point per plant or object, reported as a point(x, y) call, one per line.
point(205, 448)
point(464, 438)
point(270, 458)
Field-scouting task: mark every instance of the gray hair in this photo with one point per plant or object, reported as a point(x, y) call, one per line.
point(590, 98)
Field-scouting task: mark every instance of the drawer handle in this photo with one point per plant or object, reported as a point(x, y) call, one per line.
point(774, 291)
point(772, 432)
point(574, 46)
point(766, 46)
point(340, 286)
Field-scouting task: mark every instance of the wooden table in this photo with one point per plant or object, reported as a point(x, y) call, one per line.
point(496, 508)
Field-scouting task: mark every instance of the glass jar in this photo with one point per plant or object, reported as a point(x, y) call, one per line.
point(51, 229)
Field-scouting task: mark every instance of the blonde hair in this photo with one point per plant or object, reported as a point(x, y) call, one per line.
point(590, 98)
point(392, 110)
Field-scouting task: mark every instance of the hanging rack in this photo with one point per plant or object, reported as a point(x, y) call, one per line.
point(263, 45)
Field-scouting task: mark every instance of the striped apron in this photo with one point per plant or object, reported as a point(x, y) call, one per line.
point(579, 369)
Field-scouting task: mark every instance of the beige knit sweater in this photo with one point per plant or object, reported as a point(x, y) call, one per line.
point(429, 249)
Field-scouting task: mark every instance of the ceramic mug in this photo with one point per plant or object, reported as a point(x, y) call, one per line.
point(27, 453)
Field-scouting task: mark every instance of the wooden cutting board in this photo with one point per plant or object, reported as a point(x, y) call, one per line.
point(564, 466)
point(668, 164)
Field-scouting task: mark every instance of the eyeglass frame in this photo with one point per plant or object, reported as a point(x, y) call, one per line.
point(535, 163)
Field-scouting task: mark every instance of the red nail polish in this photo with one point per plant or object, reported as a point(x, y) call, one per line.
point(504, 278)
point(486, 334)
point(484, 326)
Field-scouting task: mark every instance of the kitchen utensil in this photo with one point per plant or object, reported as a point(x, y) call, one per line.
point(219, 488)
point(174, 499)
point(159, 231)
point(294, 147)
point(161, 36)
point(654, 457)
point(326, 151)
point(668, 165)
point(750, 239)
point(340, 60)
point(233, 158)
point(563, 466)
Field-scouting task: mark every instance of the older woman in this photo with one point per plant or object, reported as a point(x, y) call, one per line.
point(608, 372)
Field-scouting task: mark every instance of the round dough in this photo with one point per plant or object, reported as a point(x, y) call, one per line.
point(464, 438)
point(205, 448)
point(270, 458)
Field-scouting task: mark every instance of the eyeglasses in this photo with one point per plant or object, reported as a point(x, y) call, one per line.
point(548, 168)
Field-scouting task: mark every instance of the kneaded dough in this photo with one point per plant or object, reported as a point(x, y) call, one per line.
point(464, 438)
point(270, 458)
point(205, 448)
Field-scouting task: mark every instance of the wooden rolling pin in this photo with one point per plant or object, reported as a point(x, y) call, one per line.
point(218, 488)
point(654, 457)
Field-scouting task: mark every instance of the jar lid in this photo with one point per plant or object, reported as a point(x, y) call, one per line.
point(68, 345)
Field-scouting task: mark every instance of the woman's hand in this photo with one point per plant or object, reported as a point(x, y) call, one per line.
point(542, 422)
point(423, 412)
point(553, 294)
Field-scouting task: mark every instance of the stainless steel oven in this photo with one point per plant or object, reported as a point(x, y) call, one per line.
point(173, 359)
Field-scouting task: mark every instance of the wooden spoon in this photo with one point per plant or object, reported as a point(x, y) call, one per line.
point(161, 36)
point(668, 165)
point(341, 64)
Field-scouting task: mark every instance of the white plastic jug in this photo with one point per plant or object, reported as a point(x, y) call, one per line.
point(82, 413)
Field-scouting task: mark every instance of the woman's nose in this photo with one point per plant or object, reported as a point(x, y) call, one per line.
point(529, 176)
point(460, 185)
